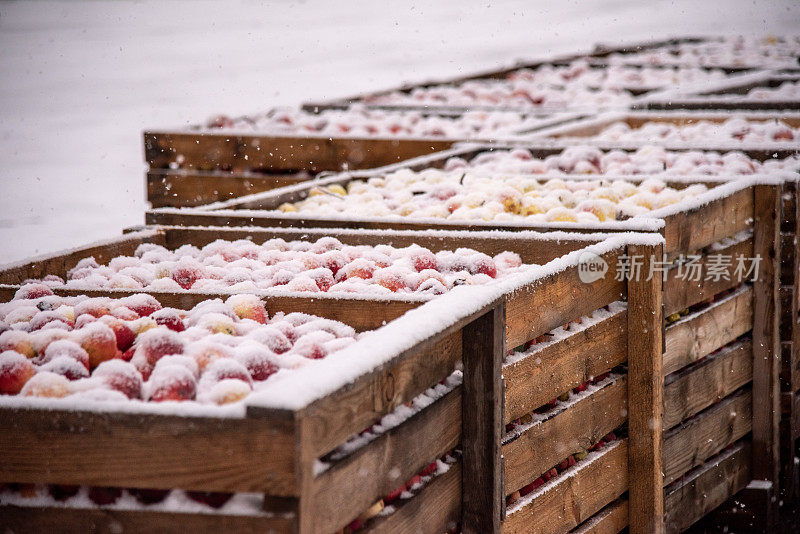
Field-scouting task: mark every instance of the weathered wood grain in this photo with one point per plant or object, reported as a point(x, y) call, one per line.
point(701, 333)
point(561, 365)
point(699, 386)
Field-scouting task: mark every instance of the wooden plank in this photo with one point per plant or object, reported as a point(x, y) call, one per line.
point(695, 229)
point(58, 263)
point(701, 333)
point(187, 188)
point(645, 394)
point(610, 520)
point(569, 431)
point(557, 299)
point(434, 510)
point(705, 488)
point(766, 343)
point(712, 379)
point(380, 467)
point(148, 451)
point(211, 150)
point(789, 432)
point(34, 519)
point(680, 294)
point(561, 365)
point(483, 498)
point(690, 444)
point(574, 496)
point(334, 418)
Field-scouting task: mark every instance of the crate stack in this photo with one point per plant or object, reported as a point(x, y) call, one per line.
point(601, 387)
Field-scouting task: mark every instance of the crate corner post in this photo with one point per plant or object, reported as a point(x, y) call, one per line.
point(645, 393)
point(483, 492)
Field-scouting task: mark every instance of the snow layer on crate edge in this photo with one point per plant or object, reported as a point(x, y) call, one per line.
point(379, 346)
point(717, 193)
point(177, 501)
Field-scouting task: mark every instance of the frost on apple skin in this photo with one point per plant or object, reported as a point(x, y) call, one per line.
point(278, 266)
point(217, 360)
point(360, 122)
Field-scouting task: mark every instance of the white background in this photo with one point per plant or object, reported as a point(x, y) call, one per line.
point(79, 81)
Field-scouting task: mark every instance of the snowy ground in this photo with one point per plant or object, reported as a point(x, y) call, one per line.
point(79, 81)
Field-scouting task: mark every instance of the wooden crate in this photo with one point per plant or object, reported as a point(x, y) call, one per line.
point(403, 375)
point(191, 167)
point(723, 96)
point(693, 230)
point(498, 318)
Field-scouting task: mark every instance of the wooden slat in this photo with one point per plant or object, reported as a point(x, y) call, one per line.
point(702, 332)
point(766, 342)
point(434, 510)
point(567, 432)
point(698, 228)
point(35, 519)
point(610, 520)
point(699, 386)
point(483, 347)
point(58, 263)
point(680, 294)
point(689, 445)
point(645, 395)
point(706, 488)
point(574, 496)
point(332, 419)
point(211, 150)
point(557, 299)
point(187, 188)
point(561, 365)
point(147, 451)
point(381, 466)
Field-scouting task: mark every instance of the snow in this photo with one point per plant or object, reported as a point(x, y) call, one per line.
point(175, 501)
point(80, 81)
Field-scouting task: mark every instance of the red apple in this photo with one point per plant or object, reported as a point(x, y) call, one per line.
point(15, 371)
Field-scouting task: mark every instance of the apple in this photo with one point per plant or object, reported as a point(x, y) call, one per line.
point(15, 371)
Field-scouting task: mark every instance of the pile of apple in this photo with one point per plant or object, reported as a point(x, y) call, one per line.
point(581, 72)
point(731, 52)
point(733, 130)
point(360, 122)
point(646, 160)
point(498, 186)
point(325, 265)
point(458, 195)
point(508, 94)
point(133, 349)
